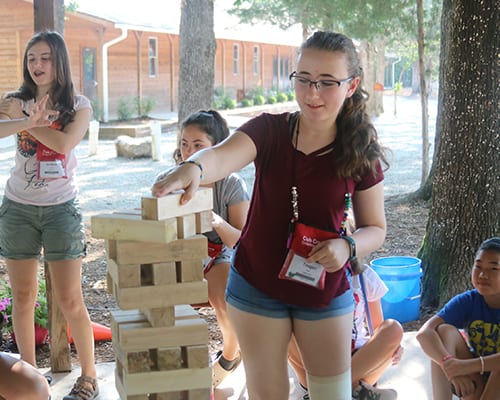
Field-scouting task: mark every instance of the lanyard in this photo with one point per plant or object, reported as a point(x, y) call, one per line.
point(294, 127)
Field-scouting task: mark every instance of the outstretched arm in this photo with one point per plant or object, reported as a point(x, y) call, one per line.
point(210, 165)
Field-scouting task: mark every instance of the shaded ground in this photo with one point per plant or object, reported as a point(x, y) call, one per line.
point(406, 227)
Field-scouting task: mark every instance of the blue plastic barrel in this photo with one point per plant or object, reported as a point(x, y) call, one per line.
point(401, 274)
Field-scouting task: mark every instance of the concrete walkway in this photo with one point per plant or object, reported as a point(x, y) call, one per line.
point(411, 378)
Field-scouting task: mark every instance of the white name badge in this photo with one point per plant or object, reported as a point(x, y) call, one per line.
point(51, 169)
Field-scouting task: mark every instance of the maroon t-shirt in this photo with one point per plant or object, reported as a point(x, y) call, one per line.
point(262, 248)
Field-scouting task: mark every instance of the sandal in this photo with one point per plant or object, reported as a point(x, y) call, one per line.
point(85, 388)
point(219, 373)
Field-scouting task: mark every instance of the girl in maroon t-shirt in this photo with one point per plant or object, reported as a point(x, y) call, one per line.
point(290, 271)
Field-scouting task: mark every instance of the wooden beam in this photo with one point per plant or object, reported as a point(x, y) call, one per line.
point(48, 15)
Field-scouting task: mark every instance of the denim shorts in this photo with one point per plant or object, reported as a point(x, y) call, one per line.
point(243, 296)
point(26, 229)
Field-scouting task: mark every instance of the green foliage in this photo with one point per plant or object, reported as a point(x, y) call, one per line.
point(72, 6)
point(259, 100)
point(398, 86)
point(247, 102)
point(229, 103)
point(271, 99)
point(281, 97)
point(291, 95)
point(41, 310)
point(124, 109)
point(143, 108)
point(97, 112)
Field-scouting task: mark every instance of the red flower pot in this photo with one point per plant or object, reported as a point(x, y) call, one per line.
point(41, 335)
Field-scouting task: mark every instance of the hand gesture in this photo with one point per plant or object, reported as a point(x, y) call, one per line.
point(41, 116)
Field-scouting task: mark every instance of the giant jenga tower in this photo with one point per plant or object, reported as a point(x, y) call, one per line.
point(155, 273)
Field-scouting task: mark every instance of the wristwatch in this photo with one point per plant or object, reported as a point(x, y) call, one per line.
point(352, 246)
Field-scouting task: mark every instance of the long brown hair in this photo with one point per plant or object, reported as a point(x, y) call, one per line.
point(62, 93)
point(357, 148)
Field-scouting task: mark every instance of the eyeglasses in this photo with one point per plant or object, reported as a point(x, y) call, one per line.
point(321, 85)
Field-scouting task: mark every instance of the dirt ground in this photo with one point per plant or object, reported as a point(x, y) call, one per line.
point(406, 227)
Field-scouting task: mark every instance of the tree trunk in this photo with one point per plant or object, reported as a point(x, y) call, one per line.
point(424, 93)
point(196, 57)
point(368, 58)
point(466, 188)
point(378, 95)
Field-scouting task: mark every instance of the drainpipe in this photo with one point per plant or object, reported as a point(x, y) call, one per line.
point(393, 71)
point(105, 84)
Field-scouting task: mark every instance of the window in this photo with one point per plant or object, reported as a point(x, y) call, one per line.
point(256, 60)
point(236, 59)
point(153, 57)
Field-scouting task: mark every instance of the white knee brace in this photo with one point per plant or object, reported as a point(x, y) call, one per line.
point(336, 387)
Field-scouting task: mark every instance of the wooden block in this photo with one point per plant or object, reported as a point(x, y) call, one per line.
point(124, 275)
point(163, 316)
point(178, 395)
point(139, 361)
point(195, 356)
point(137, 336)
point(195, 394)
point(167, 359)
point(132, 227)
point(199, 394)
point(186, 226)
point(204, 221)
point(167, 381)
point(158, 274)
point(123, 393)
point(127, 252)
point(189, 270)
point(109, 283)
point(162, 295)
point(160, 208)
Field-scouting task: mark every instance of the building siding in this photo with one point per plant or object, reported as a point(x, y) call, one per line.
point(127, 80)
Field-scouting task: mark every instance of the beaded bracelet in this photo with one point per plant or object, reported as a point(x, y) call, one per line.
point(195, 163)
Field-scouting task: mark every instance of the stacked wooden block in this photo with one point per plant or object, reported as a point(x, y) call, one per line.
point(155, 272)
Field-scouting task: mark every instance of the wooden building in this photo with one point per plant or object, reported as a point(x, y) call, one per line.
point(116, 61)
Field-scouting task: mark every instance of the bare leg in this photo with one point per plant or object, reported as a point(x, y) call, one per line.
point(66, 282)
point(21, 381)
point(217, 280)
point(370, 361)
point(23, 280)
point(295, 360)
point(325, 346)
point(455, 344)
point(264, 346)
point(492, 387)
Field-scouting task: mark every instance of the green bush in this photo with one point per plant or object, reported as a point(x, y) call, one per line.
point(247, 102)
point(124, 109)
point(97, 112)
point(144, 108)
point(291, 95)
point(229, 103)
point(281, 97)
point(271, 99)
point(259, 99)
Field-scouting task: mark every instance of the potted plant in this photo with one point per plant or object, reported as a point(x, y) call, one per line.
point(41, 312)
